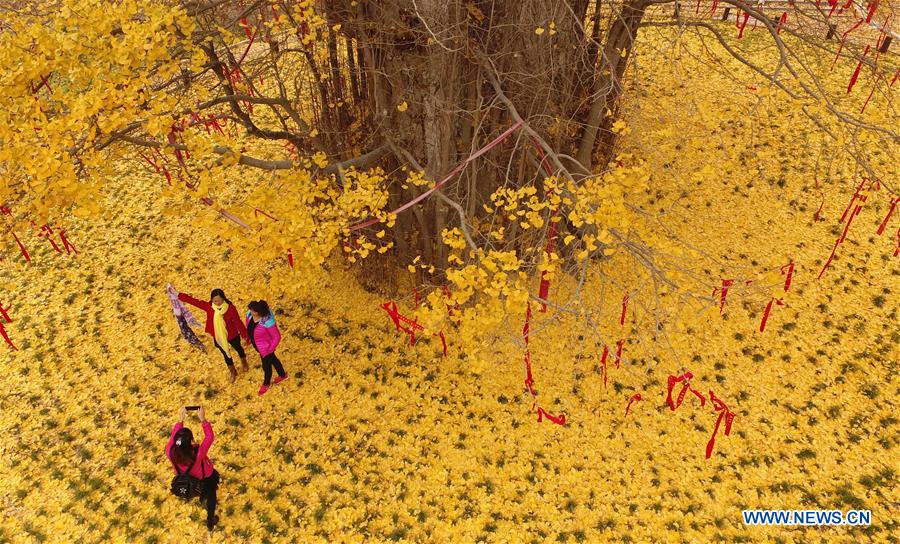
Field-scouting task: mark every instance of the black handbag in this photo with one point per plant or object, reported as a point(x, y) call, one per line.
point(185, 486)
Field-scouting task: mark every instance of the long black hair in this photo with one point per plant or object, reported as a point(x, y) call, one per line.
point(261, 307)
point(183, 450)
point(219, 292)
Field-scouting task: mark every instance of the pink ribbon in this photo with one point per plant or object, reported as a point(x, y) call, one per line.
point(459, 168)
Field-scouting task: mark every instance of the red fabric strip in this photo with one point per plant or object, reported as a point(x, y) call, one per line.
point(603, 364)
point(22, 248)
point(634, 398)
point(724, 413)
point(884, 223)
point(855, 75)
point(778, 301)
point(6, 338)
point(619, 352)
point(559, 420)
point(624, 308)
point(670, 385)
point(790, 274)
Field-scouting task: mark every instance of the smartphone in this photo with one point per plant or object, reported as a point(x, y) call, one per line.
point(191, 408)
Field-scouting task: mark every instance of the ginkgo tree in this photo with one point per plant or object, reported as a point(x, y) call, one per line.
point(323, 117)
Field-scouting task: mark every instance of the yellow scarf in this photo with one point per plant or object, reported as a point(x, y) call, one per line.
point(220, 327)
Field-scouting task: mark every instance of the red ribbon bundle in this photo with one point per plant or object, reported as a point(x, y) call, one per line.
point(861, 197)
point(670, 385)
point(407, 325)
point(724, 413)
point(724, 292)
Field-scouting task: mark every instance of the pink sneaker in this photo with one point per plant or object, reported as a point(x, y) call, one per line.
point(280, 379)
point(263, 389)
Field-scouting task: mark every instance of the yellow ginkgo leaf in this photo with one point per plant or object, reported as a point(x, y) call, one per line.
point(402, 106)
point(538, 31)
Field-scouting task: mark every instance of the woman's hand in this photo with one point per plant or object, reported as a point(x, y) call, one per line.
point(202, 414)
point(182, 414)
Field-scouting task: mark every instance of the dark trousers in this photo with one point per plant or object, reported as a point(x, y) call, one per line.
point(268, 362)
point(236, 344)
point(208, 494)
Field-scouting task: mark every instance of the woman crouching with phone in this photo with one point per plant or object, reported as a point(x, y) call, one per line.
point(194, 472)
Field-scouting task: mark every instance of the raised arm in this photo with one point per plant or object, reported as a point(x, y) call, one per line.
point(207, 440)
point(184, 297)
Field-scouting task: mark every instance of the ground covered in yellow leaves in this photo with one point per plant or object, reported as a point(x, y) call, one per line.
point(372, 440)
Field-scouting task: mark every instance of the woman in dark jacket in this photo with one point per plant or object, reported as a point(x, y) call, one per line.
point(265, 336)
point(224, 324)
point(186, 456)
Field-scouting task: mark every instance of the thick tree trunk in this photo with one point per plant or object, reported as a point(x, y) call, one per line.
point(608, 86)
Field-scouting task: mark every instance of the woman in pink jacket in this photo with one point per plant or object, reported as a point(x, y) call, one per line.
point(264, 335)
point(186, 456)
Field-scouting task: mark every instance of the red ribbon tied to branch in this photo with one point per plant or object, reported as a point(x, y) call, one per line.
point(724, 413)
point(765, 318)
point(789, 273)
point(624, 308)
point(3, 312)
point(724, 293)
point(686, 378)
point(634, 398)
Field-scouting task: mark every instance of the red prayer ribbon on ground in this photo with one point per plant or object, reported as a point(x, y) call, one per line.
point(559, 420)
